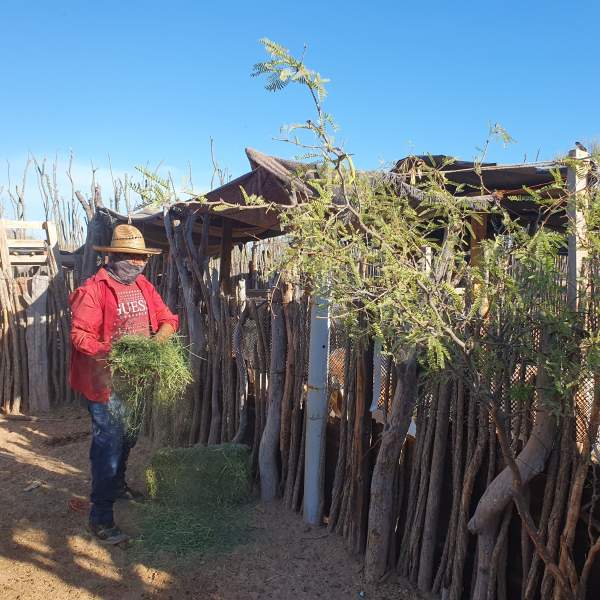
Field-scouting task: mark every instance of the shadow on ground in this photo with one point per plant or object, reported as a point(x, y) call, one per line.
point(46, 552)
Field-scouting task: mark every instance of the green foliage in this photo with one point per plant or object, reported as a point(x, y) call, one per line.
point(396, 260)
point(283, 69)
point(154, 191)
point(146, 371)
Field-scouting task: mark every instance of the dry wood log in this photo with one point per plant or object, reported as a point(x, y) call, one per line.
point(171, 288)
point(289, 313)
point(216, 334)
point(482, 585)
point(259, 377)
point(214, 435)
point(225, 350)
point(7, 357)
point(225, 258)
point(269, 444)
point(415, 477)
point(531, 578)
point(259, 399)
point(434, 497)
point(458, 427)
point(381, 516)
point(195, 327)
point(473, 466)
point(417, 525)
point(400, 484)
point(559, 502)
point(195, 392)
point(206, 394)
point(36, 340)
point(530, 461)
point(297, 422)
point(341, 527)
point(527, 521)
point(58, 296)
point(55, 357)
point(233, 421)
point(340, 468)
point(497, 578)
point(298, 484)
point(360, 482)
point(526, 547)
point(581, 467)
point(98, 234)
point(231, 374)
point(19, 349)
point(242, 369)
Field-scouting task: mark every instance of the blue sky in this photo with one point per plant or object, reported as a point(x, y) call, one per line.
point(146, 82)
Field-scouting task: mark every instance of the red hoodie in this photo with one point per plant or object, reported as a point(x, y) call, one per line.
point(94, 318)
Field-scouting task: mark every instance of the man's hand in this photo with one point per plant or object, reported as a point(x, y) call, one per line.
point(164, 332)
point(104, 351)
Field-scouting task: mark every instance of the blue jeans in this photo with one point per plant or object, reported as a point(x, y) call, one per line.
point(112, 440)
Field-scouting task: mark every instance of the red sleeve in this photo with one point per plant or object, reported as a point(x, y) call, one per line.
point(163, 314)
point(86, 328)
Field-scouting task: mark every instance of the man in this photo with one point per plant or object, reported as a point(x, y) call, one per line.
point(117, 300)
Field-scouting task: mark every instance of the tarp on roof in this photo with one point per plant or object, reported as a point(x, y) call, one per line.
point(276, 180)
point(272, 179)
point(510, 179)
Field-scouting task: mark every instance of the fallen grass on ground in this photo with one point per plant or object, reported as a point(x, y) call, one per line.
point(188, 531)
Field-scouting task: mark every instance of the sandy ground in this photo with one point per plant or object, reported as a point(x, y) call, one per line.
point(45, 551)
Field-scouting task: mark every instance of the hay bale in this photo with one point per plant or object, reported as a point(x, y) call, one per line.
point(200, 476)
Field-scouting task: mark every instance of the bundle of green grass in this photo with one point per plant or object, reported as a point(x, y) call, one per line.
point(146, 372)
point(200, 500)
point(200, 476)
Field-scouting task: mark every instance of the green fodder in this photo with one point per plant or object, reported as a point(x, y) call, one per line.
point(200, 476)
point(144, 370)
point(199, 500)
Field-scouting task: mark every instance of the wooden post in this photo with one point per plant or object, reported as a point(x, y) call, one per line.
point(576, 183)
point(36, 337)
point(269, 443)
point(479, 227)
point(225, 266)
point(316, 422)
point(4, 256)
point(53, 247)
point(377, 364)
point(360, 479)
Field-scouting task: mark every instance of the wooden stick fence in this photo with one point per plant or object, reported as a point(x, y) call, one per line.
point(234, 325)
point(35, 320)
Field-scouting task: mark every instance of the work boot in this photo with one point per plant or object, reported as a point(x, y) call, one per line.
point(108, 534)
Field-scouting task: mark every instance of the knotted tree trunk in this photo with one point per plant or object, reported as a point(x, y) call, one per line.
point(530, 462)
point(381, 516)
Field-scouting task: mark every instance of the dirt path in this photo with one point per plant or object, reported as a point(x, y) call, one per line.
point(45, 551)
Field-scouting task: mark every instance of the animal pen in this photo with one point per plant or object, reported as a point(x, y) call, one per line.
point(274, 368)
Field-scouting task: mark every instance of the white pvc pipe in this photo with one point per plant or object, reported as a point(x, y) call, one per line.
point(316, 411)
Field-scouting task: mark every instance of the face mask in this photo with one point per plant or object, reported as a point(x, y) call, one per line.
point(124, 271)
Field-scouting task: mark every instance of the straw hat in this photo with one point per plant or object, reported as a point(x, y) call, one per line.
point(127, 239)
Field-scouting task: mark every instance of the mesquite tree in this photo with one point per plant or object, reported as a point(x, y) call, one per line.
point(399, 256)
